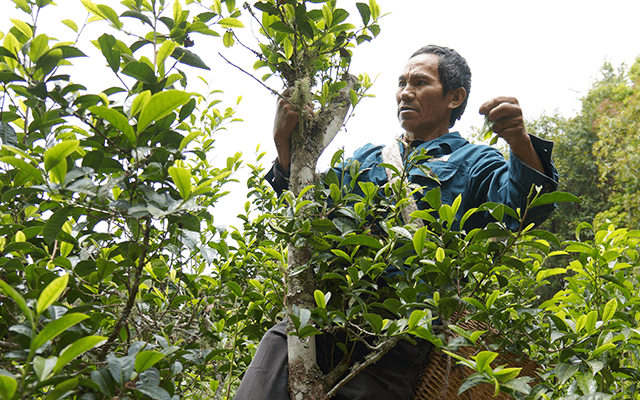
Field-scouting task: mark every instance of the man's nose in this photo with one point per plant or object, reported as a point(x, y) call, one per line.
point(408, 93)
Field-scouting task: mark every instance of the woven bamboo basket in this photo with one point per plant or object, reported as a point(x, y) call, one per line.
point(442, 376)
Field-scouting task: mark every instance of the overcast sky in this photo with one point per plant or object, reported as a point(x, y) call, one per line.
point(546, 53)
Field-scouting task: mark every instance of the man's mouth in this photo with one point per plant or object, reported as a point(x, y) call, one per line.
point(405, 108)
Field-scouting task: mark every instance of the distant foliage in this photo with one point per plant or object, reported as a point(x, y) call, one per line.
point(596, 153)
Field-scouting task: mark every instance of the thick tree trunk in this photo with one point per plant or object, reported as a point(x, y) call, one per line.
point(306, 381)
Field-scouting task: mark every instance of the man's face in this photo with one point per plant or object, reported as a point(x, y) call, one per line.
point(422, 109)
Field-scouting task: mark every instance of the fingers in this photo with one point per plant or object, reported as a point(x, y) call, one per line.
point(286, 119)
point(507, 118)
point(486, 107)
point(504, 112)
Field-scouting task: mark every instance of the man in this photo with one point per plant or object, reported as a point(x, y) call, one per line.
point(432, 94)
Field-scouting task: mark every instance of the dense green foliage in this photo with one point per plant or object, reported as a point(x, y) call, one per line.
point(596, 153)
point(121, 284)
point(115, 281)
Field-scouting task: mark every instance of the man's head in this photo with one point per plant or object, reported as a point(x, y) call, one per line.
point(454, 73)
point(425, 108)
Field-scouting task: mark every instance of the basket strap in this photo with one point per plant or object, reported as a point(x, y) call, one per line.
point(391, 155)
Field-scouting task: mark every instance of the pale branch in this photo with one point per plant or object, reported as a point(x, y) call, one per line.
point(255, 53)
point(133, 293)
point(384, 347)
point(338, 109)
point(9, 345)
point(273, 91)
point(250, 10)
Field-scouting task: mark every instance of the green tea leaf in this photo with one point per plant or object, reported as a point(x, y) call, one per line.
point(486, 131)
point(564, 371)
point(6, 77)
point(327, 15)
point(23, 27)
point(227, 39)
point(23, 166)
point(138, 15)
point(56, 157)
point(117, 120)
point(419, 239)
point(230, 23)
point(146, 359)
point(111, 53)
point(364, 240)
point(375, 321)
point(609, 310)
point(70, 24)
point(139, 102)
point(39, 45)
point(375, 9)
point(182, 179)
point(51, 293)
point(140, 71)
point(76, 349)
point(110, 15)
point(189, 58)
point(414, 318)
point(44, 366)
point(281, 27)
point(167, 48)
point(319, 297)
point(8, 385)
point(484, 359)
point(62, 389)
point(160, 105)
point(507, 374)
point(4, 52)
point(54, 224)
point(55, 328)
point(555, 197)
point(342, 28)
point(365, 12)
point(354, 97)
point(20, 301)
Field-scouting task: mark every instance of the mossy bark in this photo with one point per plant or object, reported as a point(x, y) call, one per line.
point(306, 380)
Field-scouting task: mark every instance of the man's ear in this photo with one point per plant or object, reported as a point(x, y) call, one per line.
point(456, 97)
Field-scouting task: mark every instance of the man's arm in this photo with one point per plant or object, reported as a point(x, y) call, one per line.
point(285, 122)
point(508, 123)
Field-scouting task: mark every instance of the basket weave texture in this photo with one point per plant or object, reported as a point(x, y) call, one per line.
point(442, 376)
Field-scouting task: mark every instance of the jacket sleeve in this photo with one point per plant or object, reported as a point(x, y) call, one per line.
point(278, 180)
point(493, 179)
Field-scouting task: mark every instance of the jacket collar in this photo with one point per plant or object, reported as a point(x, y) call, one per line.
point(445, 144)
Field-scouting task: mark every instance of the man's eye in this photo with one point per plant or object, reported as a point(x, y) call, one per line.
point(402, 84)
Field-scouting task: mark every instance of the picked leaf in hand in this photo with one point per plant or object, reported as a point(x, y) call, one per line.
point(487, 131)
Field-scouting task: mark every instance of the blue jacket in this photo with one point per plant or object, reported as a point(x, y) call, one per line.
point(479, 173)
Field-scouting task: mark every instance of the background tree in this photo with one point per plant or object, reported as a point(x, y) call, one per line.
point(595, 153)
point(116, 283)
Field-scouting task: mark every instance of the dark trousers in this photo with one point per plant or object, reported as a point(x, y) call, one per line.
point(394, 377)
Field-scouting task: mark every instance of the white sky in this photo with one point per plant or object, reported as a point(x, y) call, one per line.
point(546, 53)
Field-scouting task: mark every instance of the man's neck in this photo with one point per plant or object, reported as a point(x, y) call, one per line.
point(409, 137)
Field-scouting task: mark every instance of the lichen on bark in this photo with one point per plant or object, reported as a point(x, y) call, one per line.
point(306, 380)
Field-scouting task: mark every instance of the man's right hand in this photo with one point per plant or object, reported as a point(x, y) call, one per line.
point(285, 123)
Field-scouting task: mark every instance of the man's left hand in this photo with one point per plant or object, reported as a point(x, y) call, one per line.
point(506, 115)
point(508, 123)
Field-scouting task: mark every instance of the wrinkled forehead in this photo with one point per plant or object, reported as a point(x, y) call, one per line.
point(423, 64)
